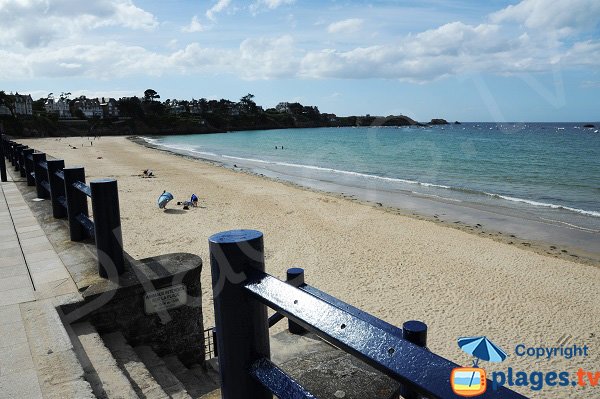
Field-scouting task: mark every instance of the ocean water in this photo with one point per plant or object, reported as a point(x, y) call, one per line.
point(544, 172)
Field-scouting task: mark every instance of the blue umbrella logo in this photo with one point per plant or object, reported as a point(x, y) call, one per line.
point(483, 349)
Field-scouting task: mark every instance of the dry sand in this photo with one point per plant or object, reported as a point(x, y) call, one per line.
point(395, 267)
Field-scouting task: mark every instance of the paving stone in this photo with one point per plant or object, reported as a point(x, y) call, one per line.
point(44, 327)
point(11, 252)
point(12, 271)
point(15, 282)
point(77, 389)
point(47, 276)
point(36, 244)
point(35, 256)
point(10, 314)
point(27, 229)
point(12, 260)
point(54, 288)
point(20, 385)
point(49, 374)
point(18, 295)
point(15, 358)
point(12, 334)
point(32, 234)
point(9, 244)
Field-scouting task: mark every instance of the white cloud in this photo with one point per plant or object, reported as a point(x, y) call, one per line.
point(346, 26)
point(451, 49)
point(34, 23)
point(130, 16)
point(194, 26)
point(269, 4)
point(267, 58)
point(217, 8)
point(562, 17)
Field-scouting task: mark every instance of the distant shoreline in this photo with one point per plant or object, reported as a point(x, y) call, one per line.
point(482, 221)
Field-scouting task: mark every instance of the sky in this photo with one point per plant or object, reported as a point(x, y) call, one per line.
point(493, 60)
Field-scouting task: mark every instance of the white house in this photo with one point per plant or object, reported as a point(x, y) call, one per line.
point(60, 107)
point(23, 104)
point(109, 108)
point(283, 107)
point(90, 107)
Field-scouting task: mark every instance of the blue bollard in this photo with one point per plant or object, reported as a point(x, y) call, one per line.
point(40, 174)
point(107, 227)
point(295, 277)
point(3, 176)
point(241, 322)
point(29, 166)
point(57, 187)
point(76, 202)
point(416, 332)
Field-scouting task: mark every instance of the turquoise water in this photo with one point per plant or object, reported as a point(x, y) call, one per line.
point(549, 171)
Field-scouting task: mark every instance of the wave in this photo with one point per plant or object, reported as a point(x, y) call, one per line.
point(151, 140)
point(384, 178)
point(179, 147)
point(338, 171)
point(545, 205)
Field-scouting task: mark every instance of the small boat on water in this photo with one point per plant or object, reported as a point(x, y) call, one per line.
point(164, 199)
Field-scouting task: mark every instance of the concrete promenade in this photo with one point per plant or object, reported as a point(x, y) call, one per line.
point(36, 356)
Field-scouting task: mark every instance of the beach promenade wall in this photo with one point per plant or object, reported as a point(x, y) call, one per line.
point(154, 301)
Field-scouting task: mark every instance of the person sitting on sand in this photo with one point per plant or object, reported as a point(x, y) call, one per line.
point(194, 200)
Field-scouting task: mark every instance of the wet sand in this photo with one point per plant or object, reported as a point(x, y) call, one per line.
point(383, 260)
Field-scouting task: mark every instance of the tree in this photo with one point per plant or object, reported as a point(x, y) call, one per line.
point(248, 105)
point(8, 101)
point(38, 105)
point(130, 106)
point(150, 95)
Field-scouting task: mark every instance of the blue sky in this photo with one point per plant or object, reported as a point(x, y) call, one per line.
point(533, 60)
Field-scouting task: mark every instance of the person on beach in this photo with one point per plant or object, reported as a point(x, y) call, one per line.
point(164, 199)
point(194, 200)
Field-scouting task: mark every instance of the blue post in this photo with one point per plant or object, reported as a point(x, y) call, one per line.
point(18, 148)
point(241, 322)
point(40, 174)
point(76, 202)
point(22, 160)
point(3, 176)
point(57, 187)
point(295, 277)
point(11, 152)
point(416, 332)
point(107, 227)
point(29, 166)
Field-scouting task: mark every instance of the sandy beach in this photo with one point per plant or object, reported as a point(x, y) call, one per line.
point(389, 264)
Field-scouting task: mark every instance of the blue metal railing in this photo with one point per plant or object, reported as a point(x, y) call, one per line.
point(68, 193)
point(242, 291)
point(277, 381)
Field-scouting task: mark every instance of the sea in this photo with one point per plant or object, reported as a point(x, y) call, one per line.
point(540, 181)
